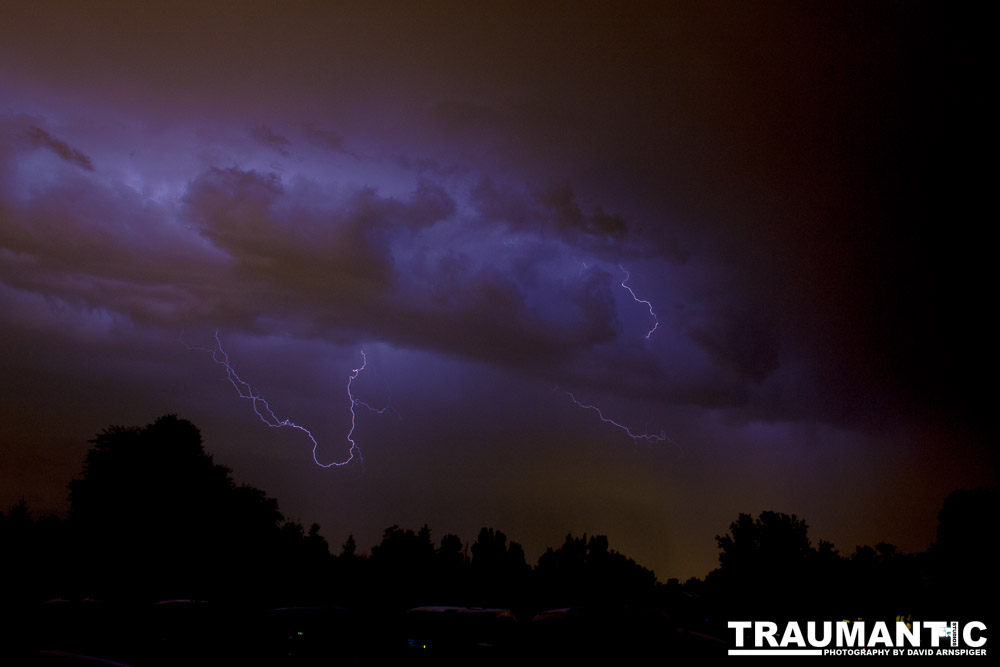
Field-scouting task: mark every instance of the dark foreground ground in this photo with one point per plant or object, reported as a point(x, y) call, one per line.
point(186, 632)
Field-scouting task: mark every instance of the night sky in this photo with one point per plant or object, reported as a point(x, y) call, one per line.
point(458, 189)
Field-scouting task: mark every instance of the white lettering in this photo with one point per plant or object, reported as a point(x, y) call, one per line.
point(911, 637)
point(765, 630)
point(937, 629)
point(880, 635)
point(850, 634)
point(739, 626)
point(827, 634)
point(967, 634)
point(792, 635)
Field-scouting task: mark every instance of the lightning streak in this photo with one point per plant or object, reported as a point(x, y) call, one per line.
point(636, 437)
point(656, 321)
point(263, 409)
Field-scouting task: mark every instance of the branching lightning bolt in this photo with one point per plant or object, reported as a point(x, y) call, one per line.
point(636, 437)
point(656, 320)
point(263, 409)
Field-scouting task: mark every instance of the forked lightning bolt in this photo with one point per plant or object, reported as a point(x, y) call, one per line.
point(656, 321)
point(636, 437)
point(263, 409)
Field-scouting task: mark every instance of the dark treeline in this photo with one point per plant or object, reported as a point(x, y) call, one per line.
point(152, 517)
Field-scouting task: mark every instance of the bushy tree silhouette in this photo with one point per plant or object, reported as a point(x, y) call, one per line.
point(965, 577)
point(764, 565)
point(768, 567)
point(773, 541)
point(584, 571)
point(33, 555)
point(452, 571)
point(401, 565)
point(499, 571)
point(155, 516)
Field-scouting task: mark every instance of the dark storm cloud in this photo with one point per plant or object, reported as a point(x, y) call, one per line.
point(492, 282)
point(327, 139)
point(566, 212)
point(360, 260)
point(268, 137)
point(327, 260)
point(71, 237)
point(485, 312)
point(554, 213)
point(42, 139)
point(73, 222)
point(297, 240)
point(743, 343)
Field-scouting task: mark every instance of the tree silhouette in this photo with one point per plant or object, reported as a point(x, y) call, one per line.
point(965, 577)
point(154, 516)
point(401, 565)
point(765, 565)
point(452, 571)
point(33, 554)
point(584, 571)
point(773, 540)
point(349, 548)
point(499, 572)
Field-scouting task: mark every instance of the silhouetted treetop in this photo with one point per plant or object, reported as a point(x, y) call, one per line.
point(772, 541)
point(767, 564)
point(160, 469)
point(587, 570)
point(404, 549)
point(964, 555)
point(349, 548)
point(151, 499)
point(962, 521)
point(491, 555)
